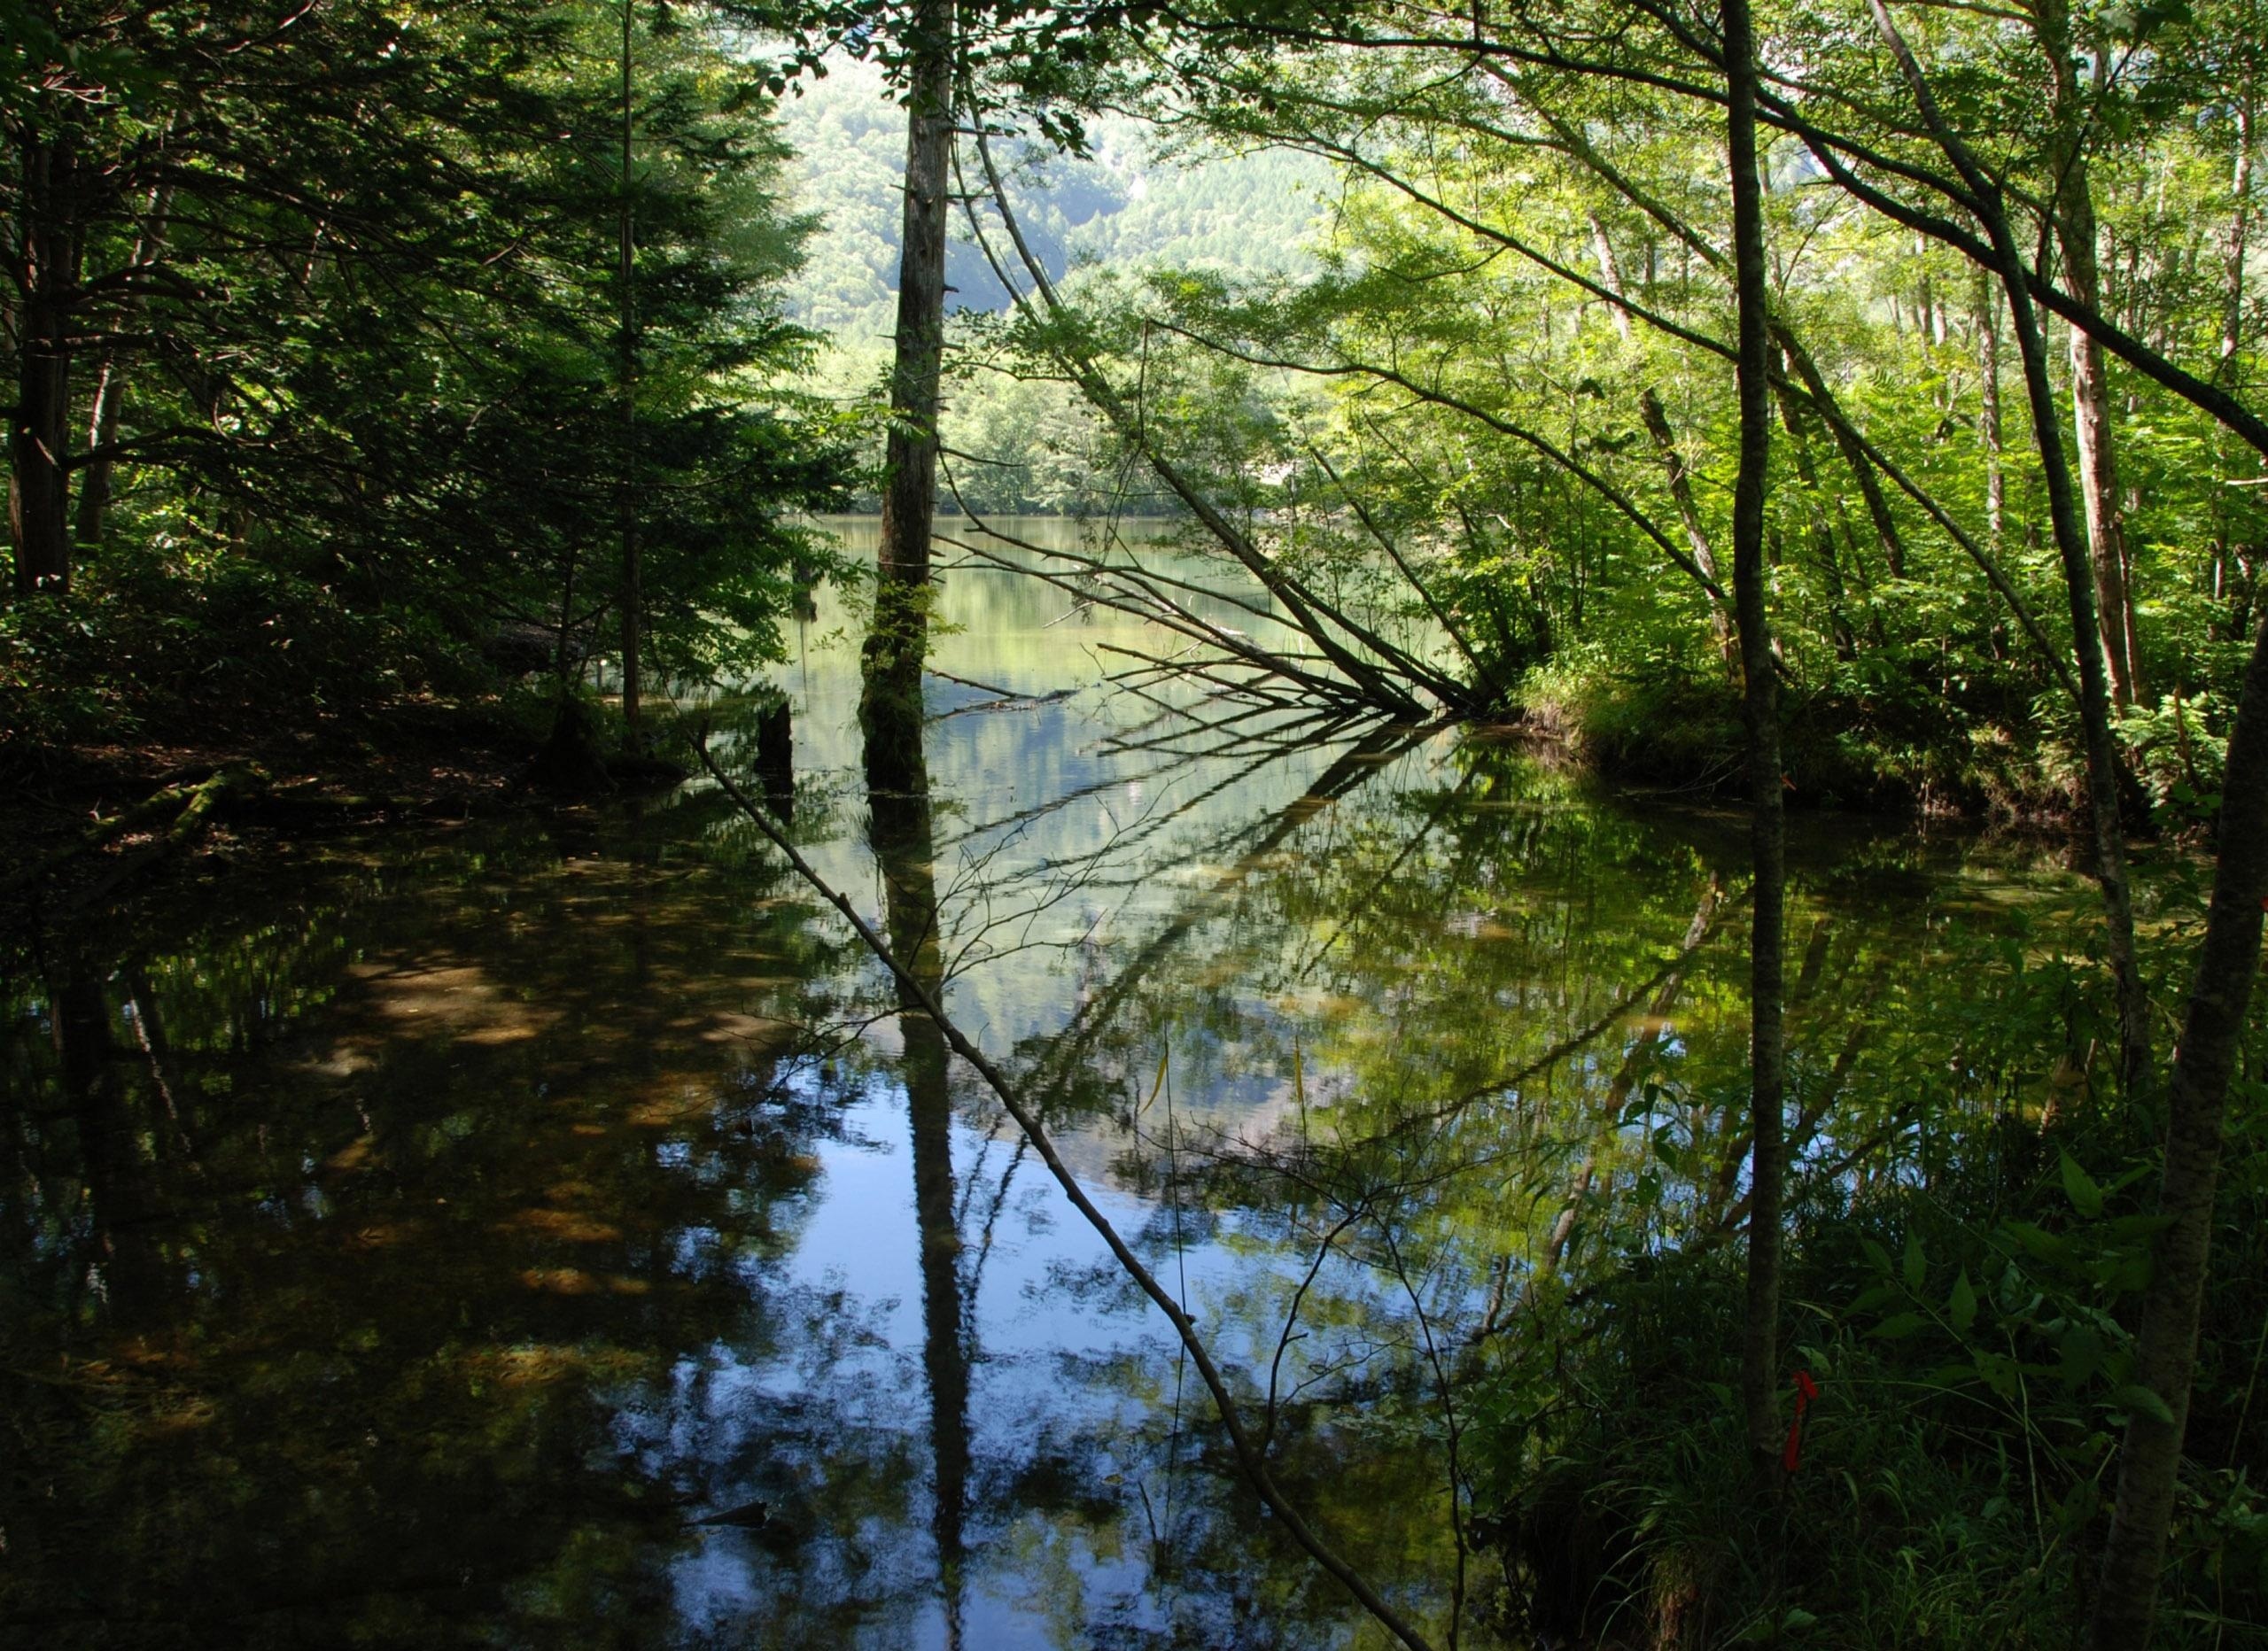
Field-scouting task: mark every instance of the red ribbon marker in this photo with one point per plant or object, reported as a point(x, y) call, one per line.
point(1806, 1389)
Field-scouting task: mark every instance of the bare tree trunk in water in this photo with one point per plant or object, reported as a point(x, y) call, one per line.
point(890, 703)
point(899, 832)
point(2075, 233)
point(1761, 705)
point(2078, 578)
point(2212, 1031)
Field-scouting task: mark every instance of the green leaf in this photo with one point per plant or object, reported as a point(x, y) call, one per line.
point(2135, 1396)
point(1962, 1306)
point(2042, 1244)
point(2079, 1187)
point(1917, 1264)
point(1999, 1373)
point(1899, 1326)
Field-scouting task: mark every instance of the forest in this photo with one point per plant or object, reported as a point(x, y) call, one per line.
point(1293, 823)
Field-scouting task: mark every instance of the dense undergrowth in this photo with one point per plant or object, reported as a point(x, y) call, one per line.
point(1882, 733)
point(1967, 1318)
point(135, 654)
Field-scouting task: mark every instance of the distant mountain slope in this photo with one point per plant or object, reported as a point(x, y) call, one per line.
point(1124, 206)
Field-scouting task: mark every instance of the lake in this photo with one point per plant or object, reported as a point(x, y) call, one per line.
point(408, 1237)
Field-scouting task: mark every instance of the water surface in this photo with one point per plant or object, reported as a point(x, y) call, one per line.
point(406, 1237)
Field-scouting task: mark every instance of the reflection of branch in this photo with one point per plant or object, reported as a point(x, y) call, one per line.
point(1348, 770)
point(1286, 1336)
point(1250, 1454)
point(1453, 1432)
point(1573, 1041)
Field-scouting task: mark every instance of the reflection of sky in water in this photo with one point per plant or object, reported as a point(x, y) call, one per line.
point(487, 1105)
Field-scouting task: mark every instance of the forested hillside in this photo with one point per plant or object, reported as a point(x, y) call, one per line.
point(1137, 200)
point(1144, 197)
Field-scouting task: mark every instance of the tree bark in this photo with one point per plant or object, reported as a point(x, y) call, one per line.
point(1665, 439)
point(2078, 577)
point(2075, 233)
point(890, 703)
point(1760, 705)
point(39, 435)
point(2211, 1034)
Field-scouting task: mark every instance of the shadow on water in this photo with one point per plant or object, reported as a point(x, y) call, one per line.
point(411, 1239)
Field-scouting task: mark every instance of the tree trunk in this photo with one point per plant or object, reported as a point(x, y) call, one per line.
point(92, 506)
point(890, 703)
point(1862, 472)
point(2211, 1034)
point(96, 471)
point(2075, 235)
point(1988, 423)
point(2239, 238)
point(2079, 580)
point(632, 594)
point(39, 435)
point(1760, 705)
point(1795, 419)
point(1665, 439)
point(2232, 259)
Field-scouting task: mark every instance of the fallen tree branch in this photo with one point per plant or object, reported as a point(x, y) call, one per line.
point(191, 806)
point(187, 826)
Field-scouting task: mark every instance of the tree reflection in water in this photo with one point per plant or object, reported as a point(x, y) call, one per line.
point(402, 1243)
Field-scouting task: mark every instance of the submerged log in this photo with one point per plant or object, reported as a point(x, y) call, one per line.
point(188, 826)
point(156, 806)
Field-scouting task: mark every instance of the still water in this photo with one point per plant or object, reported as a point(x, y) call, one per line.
point(406, 1239)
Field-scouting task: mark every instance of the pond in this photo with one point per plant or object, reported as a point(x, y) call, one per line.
point(411, 1237)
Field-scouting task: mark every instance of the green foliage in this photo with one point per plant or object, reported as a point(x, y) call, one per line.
point(1966, 1318)
point(382, 377)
